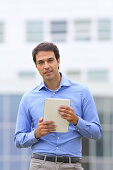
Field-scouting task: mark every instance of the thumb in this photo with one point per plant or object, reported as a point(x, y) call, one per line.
point(40, 120)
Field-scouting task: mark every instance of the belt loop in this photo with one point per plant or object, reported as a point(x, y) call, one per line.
point(45, 158)
point(69, 160)
point(56, 159)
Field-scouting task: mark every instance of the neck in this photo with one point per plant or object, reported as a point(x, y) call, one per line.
point(54, 83)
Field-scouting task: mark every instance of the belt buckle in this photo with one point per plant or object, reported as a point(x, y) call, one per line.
point(56, 159)
point(69, 160)
point(45, 156)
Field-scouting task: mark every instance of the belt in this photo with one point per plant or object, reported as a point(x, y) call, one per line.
point(56, 158)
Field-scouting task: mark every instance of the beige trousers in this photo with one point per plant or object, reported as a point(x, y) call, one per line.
point(36, 164)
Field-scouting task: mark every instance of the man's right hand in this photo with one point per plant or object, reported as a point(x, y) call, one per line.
point(44, 128)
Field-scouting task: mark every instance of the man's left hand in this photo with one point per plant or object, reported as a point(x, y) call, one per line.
point(68, 113)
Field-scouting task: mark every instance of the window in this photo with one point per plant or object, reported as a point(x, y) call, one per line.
point(103, 148)
point(34, 31)
point(15, 165)
point(26, 74)
point(1, 108)
point(98, 75)
point(74, 74)
point(104, 29)
point(1, 141)
point(13, 150)
point(10, 156)
point(82, 30)
point(1, 32)
point(14, 101)
point(58, 31)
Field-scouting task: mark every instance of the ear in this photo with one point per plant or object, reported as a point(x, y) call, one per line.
point(58, 61)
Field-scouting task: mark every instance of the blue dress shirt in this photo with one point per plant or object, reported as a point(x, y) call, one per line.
point(63, 144)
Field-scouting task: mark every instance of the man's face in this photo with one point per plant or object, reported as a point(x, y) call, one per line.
point(47, 64)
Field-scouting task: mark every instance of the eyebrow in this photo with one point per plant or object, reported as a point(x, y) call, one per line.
point(43, 60)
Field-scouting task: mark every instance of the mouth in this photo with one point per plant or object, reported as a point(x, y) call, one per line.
point(47, 72)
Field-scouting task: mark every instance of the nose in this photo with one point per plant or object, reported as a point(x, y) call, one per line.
point(46, 65)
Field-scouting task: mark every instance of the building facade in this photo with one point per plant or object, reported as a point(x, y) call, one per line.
point(83, 31)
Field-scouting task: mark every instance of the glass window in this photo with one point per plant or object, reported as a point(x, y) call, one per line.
point(26, 74)
point(97, 75)
point(1, 108)
point(82, 29)
point(13, 149)
point(105, 109)
point(34, 31)
point(15, 165)
point(85, 146)
point(1, 141)
point(74, 74)
point(58, 31)
point(111, 117)
point(14, 104)
point(1, 32)
point(99, 166)
point(6, 108)
point(9, 104)
point(99, 147)
point(101, 117)
point(106, 140)
point(1, 165)
point(104, 29)
point(85, 165)
point(111, 143)
point(25, 165)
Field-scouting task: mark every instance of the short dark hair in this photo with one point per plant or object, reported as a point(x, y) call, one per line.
point(45, 46)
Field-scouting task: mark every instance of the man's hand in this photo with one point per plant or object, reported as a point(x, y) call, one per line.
point(44, 128)
point(68, 113)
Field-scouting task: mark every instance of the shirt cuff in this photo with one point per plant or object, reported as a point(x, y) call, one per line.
point(32, 137)
point(81, 124)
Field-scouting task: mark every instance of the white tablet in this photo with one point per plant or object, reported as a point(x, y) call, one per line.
point(51, 113)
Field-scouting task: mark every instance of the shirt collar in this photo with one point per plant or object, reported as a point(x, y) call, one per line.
point(42, 85)
point(64, 82)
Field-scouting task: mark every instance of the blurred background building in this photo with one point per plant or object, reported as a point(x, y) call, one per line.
point(83, 31)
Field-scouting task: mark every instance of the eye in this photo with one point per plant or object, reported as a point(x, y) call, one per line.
point(40, 62)
point(50, 60)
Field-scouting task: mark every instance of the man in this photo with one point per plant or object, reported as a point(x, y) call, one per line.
point(53, 150)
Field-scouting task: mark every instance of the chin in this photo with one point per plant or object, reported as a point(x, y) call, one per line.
point(48, 77)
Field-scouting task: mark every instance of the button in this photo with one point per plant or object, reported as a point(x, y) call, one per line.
point(78, 130)
point(53, 92)
point(56, 147)
point(58, 138)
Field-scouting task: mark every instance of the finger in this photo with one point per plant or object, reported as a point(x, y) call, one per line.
point(64, 115)
point(48, 122)
point(51, 126)
point(46, 131)
point(63, 110)
point(66, 112)
point(47, 127)
point(66, 108)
